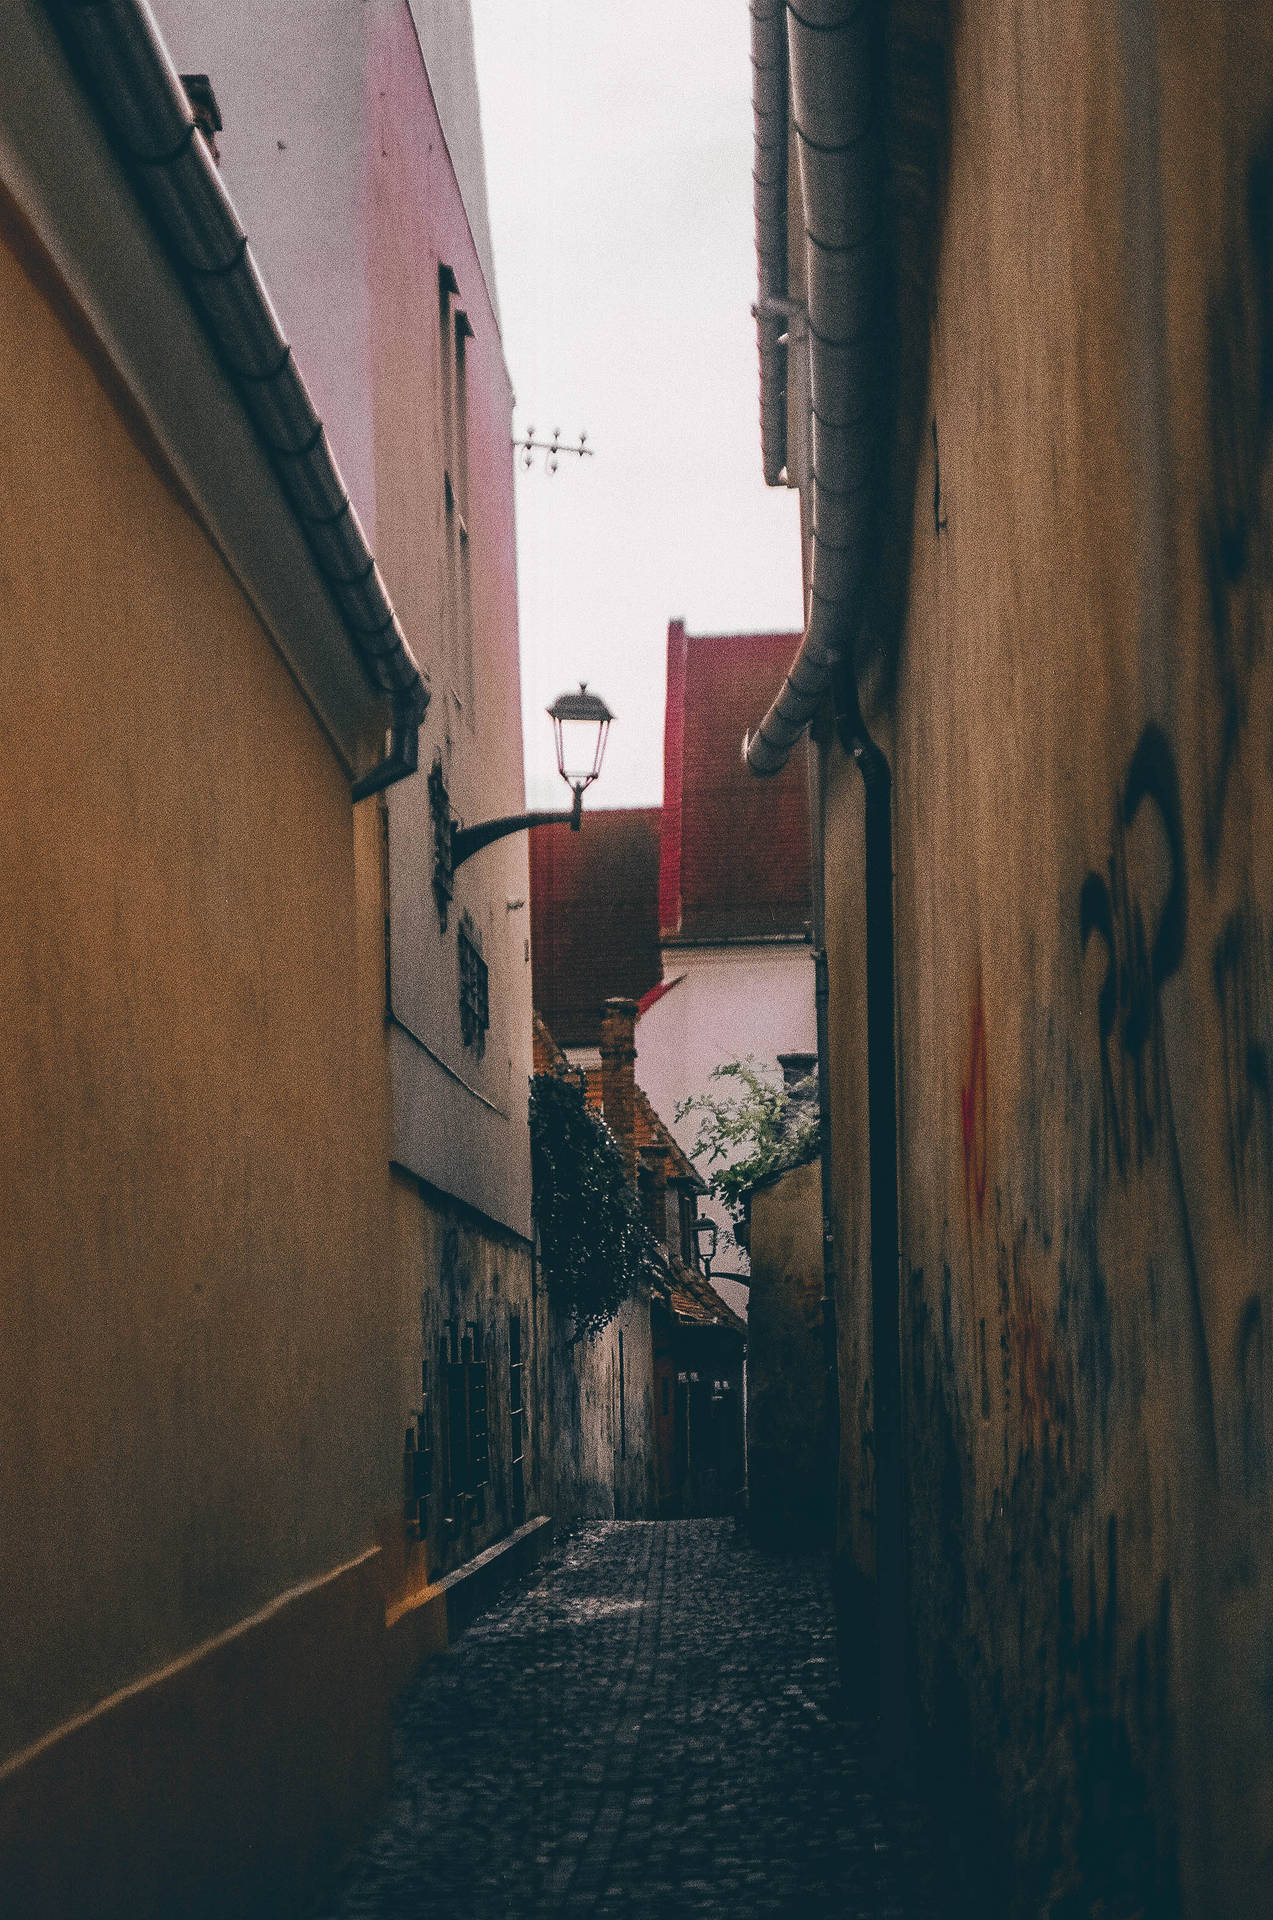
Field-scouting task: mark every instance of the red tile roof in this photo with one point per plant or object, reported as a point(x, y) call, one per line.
point(593, 918)
point(651, 1132)
point(735, 850)
point(695, 1302)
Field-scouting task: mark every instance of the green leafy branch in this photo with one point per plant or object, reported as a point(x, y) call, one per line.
point(748, 1135)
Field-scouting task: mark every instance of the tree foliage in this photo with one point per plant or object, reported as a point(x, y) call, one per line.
point(595, 1245)
point(750, 1134)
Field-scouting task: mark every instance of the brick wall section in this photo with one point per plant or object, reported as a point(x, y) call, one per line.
point(618, 1080)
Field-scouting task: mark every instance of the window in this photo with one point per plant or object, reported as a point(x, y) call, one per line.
point(418, 1464)
point(468, 1460)
point(689, 1239)
point(653, 1195)
point(454, 333)
point(475, 1009)
point(516, 1418)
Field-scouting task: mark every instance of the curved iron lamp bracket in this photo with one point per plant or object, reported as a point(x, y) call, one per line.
point(466, 841)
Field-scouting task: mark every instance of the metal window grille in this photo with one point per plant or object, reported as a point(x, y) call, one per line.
point(479, 1431)
point(475, 1012)
point(516, 1418)
point(688, 1239)
point(417, 1465)
point(468, 1437)
point(443, 841)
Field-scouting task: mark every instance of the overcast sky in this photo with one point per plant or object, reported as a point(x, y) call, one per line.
point(618, 149)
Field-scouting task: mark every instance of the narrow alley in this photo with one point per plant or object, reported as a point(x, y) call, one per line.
point(636, 1153)
point(650, 1726)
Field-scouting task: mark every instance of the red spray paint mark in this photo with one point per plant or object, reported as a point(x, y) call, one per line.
point(972, 1101)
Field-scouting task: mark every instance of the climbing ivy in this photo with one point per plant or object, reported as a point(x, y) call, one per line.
point(749, 1135)
point(596, 1249)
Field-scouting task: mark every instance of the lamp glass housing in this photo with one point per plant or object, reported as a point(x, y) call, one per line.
point(705, 1232)
point(581, 726)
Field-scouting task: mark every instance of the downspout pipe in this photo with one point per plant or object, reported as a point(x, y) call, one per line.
point(833, 49)
point(769, 184)
point(886, 1354)
point(127, 71)
point(821, 1002)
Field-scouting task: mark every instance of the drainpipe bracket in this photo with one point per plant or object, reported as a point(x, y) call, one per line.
point(403, 756)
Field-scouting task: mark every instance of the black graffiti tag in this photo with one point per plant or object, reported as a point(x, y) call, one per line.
point(1138, 1121)
point(1137, 965)
point(1242, 972)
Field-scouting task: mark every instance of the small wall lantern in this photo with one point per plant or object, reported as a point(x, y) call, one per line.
point(705, 1232)
point(581, 727)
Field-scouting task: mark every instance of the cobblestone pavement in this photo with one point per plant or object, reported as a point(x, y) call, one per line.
point(650, 1727)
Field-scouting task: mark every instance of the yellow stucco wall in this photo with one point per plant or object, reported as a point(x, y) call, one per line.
point(1084, 896)
point(194, 1291)
point(216, 1290)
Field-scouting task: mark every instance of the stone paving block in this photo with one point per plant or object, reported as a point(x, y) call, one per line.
point(650, 1726)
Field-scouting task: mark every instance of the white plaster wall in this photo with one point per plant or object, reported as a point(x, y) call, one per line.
point(445, 32)
point(730, 1003)
point(289, 77)
point(329, 152)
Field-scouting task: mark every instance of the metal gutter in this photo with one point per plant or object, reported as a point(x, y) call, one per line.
point(680, 940)
point(126, 69)
point(836, 68)
point(832, 49)
point(769, 178)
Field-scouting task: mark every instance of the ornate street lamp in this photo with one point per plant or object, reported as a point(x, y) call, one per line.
point(705, 1233)
point(581, 727)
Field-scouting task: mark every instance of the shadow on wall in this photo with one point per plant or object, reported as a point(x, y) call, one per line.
point(788, 1454)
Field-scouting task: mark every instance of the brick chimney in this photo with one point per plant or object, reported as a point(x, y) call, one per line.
point(796, 1068)
point(618, 1077)
point(653, 1184)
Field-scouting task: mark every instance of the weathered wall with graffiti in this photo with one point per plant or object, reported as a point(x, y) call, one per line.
point(1081, 735)
point(601, 1418)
